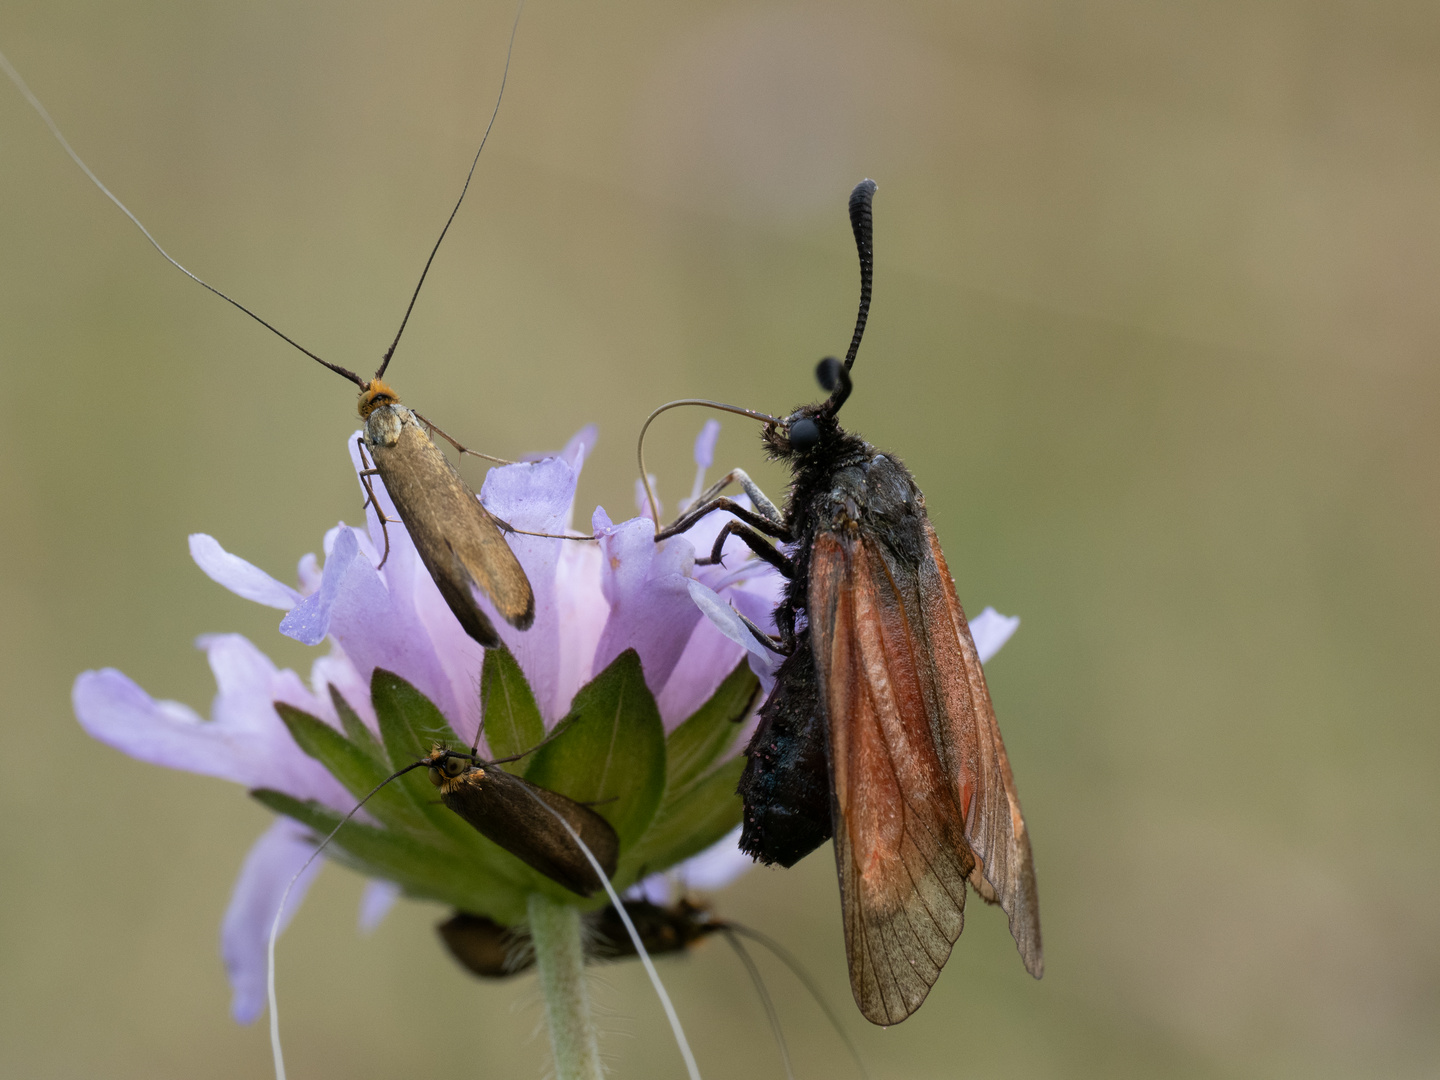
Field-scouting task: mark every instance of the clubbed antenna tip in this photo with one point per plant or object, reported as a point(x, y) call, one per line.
point(861, 222)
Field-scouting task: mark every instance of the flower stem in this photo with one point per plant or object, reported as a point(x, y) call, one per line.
point(560, 958)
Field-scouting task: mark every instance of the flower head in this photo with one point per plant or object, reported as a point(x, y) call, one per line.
point(621, 619)
point(605, 612)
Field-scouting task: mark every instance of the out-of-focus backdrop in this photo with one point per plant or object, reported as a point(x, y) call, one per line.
point(1155, 326)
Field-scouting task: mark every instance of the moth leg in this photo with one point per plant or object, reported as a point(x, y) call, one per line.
point(434, 430)
point(505, 527)
point(365, 474)
point(755, 542)
point(762, 502)
point(785, 622)
point(768, 640)
point(758, 522)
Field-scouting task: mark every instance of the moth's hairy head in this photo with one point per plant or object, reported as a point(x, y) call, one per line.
point(375, 394)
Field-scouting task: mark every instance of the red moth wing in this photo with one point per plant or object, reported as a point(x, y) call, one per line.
point(900, 848)
point(994, 824)
point(913, 743)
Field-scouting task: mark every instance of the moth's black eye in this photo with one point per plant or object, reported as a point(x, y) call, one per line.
point(803, 433)
point(827, 372)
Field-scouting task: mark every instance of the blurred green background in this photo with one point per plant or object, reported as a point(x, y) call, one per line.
point(1155, 327)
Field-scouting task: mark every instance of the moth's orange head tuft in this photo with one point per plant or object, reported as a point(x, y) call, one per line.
point(375, 395)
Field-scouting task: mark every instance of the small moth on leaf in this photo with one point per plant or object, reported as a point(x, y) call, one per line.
point(521, 818)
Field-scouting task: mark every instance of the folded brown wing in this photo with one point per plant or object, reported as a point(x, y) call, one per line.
point(967, 731)
point(913, 743)
point(457, 539)
point(900, 848)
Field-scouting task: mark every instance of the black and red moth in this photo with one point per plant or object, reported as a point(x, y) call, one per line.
point(879, 730)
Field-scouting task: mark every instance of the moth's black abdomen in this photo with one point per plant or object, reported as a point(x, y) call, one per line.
point(786, 782)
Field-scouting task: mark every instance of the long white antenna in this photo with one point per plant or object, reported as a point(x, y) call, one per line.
point(691, 1068)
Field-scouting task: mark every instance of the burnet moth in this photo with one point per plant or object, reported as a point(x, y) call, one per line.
point(879, 731)
point(460, 543)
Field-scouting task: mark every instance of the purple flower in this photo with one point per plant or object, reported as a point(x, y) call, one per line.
point(592, 602)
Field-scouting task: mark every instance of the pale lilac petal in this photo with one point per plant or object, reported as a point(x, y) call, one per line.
point(245, 933)
point(704, 458)
point(245, 741)
point(240, 577)
point(309, 622)
point(647, 586)
point(375, 903)
point(375, 625)
point(243, 714)
point(583, 611)
point(642, 500)
point(113, 709)
point(752, 588)
point(716, 866)
point(581, 446)
point(307, 572)
point(656, 889)
point(444, 654)
point(336, 670)
point(538, 496)
point(764, 662)
point(708, 658)
point(705, 444)
point(990, 630)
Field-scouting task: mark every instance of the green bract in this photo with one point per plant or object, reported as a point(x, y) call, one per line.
point(668, 798)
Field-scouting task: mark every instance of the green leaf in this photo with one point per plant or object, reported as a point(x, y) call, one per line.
point(710, 731)
point(512, 719)
point(421, 869)
point(358, 771)
point(687, 824)
point(410, 724)
point(612, 755)
point(356, 729)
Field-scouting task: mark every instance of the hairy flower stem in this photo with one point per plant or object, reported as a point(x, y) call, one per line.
point(560, 958)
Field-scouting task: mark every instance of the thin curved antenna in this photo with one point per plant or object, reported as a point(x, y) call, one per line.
point(691, 1068)
point(274, 1002)
point(753, 414)
point(514, 29)
point(770, 1014)
point(65, 144)
point(786, 957)
point(862, 225)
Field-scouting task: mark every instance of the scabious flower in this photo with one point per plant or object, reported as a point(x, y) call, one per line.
point(622, 607)
point(593, 602)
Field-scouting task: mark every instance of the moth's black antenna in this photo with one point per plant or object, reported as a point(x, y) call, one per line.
point(514, 29)
point(733, 940)
point(786, 957)
point(860, 222)
point(60, 138)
